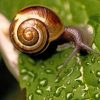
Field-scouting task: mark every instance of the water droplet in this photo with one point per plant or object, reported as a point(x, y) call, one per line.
point(97, 96)
point(23, 71)
point(57, 80)
point(93, 60)
point(69, 96)
point(98, 61)
point(59, 67)
point(70, 72)
point(49, 71)
point(43, 82)
point(74, 87)
point(25, 77)
point(32, 74)
point(68, 82)
point(30, 97)
point(91, 71)
point(39, 92)
point(49, 89)
point(98, 73)
point(88, 63)
point(79, 81)
point(50, 98)
point(83, 95)
point(42, 66)
point(98, 81)
point(58, 91)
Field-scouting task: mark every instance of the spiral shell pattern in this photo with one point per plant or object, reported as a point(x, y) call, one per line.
point(34, 28)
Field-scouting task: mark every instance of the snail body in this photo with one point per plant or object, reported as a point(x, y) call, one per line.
point(81, 37)
point(34, 28)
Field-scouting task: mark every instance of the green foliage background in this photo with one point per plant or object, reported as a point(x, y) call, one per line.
point(80, 81)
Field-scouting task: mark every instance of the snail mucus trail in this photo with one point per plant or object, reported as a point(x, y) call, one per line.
point(35, 28)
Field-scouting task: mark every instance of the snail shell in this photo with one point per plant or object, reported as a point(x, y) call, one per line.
point(34, 28)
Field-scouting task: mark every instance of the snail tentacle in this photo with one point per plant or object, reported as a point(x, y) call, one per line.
point(90, 49)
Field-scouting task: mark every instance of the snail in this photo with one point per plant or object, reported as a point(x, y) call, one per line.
point(34, 28)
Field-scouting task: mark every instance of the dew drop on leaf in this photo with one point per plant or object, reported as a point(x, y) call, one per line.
point(93, 60)
point(98, 73)
point(39, 91)
point(43, 66)
point(70, 72)
point(50, 98)
point(98, 61)
point(43, 82)
point(28, 74)
point(32, 74)
point(23, 71)
point(97, 96)
point(59, 67)
point(68, 82)
point(25, 77)
point(98, 81)
point(57, 80)
point(30, 97)
point(91, 71)
point(58, 91)
point(49, 89)
point(88, 64)
point(49, 71)
point(83, 95)
point(69, 96)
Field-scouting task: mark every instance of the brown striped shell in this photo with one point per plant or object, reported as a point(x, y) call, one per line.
point(34, 28)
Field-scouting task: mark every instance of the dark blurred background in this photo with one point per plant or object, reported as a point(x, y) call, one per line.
point(9, 87)
point(7, 81)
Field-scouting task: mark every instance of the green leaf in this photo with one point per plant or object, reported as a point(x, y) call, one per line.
point(44, 82)
point(91, 75)
point(91, 69)
point(92, 6)
point(78, 11)
point(40, 77)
